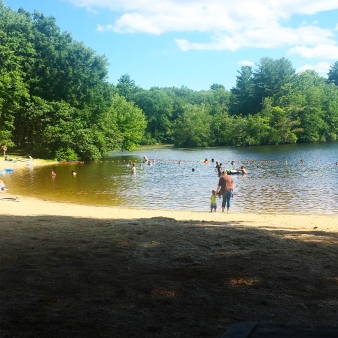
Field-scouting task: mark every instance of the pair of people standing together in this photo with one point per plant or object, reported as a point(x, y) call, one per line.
point(225, 189)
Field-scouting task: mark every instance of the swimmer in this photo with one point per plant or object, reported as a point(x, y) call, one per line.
point(193, 169)
point(53, 173)
point(133, 168)
point(243, 170)
point(73, 173)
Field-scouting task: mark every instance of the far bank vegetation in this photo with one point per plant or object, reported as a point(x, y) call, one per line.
point(56, 101)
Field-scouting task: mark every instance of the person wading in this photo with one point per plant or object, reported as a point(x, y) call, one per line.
point(225, 189)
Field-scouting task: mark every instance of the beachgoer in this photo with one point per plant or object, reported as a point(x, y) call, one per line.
point(7, 158)
point(225, 189)
point(219, 168)
point(133, 168)
point(243, 170)
point(2, 186)
point(4, 149)
point(145, 159)
point(149, 162)
point(193, 169)
point(53, 173)
point(206, 161)
point(73, 173)
point(213, 203)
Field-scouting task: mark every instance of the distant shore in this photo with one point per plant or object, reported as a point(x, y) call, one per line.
point(22, 162)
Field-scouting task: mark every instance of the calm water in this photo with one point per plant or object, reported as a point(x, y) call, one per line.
point(272, 186)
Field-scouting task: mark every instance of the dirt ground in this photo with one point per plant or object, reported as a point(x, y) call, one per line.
point(64, 276)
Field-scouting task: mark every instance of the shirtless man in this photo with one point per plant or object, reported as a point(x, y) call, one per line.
point(225, 188)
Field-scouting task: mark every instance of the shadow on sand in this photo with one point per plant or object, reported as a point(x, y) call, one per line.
point(158, 277)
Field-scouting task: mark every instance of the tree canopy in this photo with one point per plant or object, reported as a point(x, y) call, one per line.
point(56, 100)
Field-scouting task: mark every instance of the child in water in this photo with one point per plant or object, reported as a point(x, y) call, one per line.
point(213, 203)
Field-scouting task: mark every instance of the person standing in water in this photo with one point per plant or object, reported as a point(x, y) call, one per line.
point(225, 189)
point(133, 168)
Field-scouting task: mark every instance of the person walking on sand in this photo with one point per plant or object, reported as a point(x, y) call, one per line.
point(4, 149)
point(225, 189)
point(213, 202)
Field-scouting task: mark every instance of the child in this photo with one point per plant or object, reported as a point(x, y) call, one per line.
point(213, 204)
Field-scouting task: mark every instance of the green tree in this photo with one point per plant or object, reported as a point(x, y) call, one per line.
point(333, 74)
point(269, 78)
point(242, 94)
point(157, 107)
point(192, 129)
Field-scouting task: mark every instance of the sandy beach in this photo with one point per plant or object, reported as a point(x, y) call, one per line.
point(83, 271)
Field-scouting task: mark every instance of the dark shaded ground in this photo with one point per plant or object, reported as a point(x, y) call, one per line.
point(71, 277)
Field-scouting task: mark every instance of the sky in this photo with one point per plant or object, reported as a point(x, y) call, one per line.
point(196, 43)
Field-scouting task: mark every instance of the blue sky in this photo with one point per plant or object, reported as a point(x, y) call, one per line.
point(196, 43)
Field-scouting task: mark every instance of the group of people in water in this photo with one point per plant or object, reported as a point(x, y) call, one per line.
point(53, 174)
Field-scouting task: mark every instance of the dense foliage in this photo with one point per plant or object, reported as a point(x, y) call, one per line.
point(56, 102)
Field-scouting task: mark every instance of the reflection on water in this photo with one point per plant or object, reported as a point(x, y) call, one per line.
point(272, 185)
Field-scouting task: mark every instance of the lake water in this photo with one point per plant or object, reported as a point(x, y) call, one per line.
point(272, 186)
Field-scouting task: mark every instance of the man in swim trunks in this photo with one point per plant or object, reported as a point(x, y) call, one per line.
point(225, 189)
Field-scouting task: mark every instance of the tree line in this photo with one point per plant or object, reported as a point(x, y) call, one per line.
point(56, 100)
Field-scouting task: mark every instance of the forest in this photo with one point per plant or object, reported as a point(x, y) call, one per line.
point(56, 101)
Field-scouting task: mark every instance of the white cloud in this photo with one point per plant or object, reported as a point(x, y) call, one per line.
point(321, 68)
point(329, 52)
point(258, 38)
point(230, 24)
point(245, 63)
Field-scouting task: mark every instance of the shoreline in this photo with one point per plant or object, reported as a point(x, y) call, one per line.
point(23, 163)
point(30, 206)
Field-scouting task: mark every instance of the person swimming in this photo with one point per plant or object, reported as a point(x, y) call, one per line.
point(73, 173)
point(243, 170)
point(53, 173)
